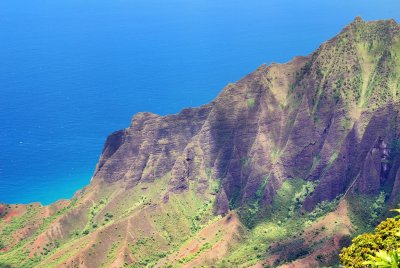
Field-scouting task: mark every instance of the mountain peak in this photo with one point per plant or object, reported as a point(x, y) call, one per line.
point(358, 19)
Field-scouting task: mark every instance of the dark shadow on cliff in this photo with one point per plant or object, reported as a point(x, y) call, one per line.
point(222, 151)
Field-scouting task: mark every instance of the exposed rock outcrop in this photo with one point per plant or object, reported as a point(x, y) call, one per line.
point(321, 117)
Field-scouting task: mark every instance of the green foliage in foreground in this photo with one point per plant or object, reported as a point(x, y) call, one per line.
point(384, 259)
point(379, 249)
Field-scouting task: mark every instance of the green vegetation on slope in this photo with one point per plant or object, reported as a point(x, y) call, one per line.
point(277, 227)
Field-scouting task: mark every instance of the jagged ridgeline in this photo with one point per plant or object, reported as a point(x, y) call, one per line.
point(284, 166)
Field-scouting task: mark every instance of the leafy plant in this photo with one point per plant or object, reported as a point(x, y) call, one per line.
point(385, 259)
point(377, 250)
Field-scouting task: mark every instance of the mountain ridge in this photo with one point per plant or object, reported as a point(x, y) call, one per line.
point(267, 163)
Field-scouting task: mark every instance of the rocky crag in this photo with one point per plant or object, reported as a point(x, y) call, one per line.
point(281, 169)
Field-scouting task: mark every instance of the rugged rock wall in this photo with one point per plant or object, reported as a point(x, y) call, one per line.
point(330, 117)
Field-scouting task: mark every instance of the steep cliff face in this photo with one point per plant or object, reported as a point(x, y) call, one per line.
point(329, 117)
point(289, 144)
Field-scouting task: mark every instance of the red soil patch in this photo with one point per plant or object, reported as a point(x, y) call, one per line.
point(195, 249)
point(14, 212)
point(38, 245)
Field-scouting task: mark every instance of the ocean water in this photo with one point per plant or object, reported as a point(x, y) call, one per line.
point(73, 71)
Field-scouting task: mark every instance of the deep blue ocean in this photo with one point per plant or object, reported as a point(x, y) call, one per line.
point(73, 71)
